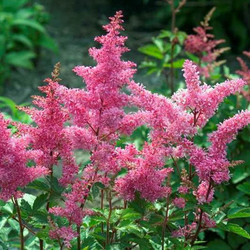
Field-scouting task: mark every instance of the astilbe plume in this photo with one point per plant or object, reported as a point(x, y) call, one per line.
point(98, 117)
point(49, 134)
point(14, 172)
point(245, 73)
point(173, 122)
point(203, 45)
point(201, 99)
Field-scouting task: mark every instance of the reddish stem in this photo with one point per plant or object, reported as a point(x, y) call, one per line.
point(20, 223)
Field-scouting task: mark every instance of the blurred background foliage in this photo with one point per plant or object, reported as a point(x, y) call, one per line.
point(31, 29)
point(73, 25)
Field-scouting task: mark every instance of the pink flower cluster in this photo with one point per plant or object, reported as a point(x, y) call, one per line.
point(203, 45)
point(245, 73)
point(14, 172)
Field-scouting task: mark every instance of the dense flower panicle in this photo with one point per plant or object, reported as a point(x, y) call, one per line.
point(206, 222)
point(226, 132)
point(145, 176)
point(203, 99)
point(14, 157)
point(147, 181)
point(185, 231)
point(245, 73)
point(65, 233)
point(100, 107)
point(49, 135)
point(179, 202)
point(204, 193)
point(167, 119)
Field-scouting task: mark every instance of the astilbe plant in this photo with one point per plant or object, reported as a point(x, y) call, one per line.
point(245, 74)
point(168, 176)
point(204, 46)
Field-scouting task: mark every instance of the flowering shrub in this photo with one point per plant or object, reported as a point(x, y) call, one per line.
point(156, 196)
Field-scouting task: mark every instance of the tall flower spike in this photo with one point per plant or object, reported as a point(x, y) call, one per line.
point(204, 45)
point(14, 157)
point(245, 73)
point(49, 135)
point(203, 99)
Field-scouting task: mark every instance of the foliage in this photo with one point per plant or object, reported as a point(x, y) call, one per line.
point(156, 170)
point(22, 35)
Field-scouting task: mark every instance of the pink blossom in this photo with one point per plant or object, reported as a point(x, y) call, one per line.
point(185, 231)
point(65, 233)
point(183, 189)
point(179, 202)
point(204, 46)
point(49, 134)
point(204, 193)
point(203, 100)
point(14, 172)
point(245, 73)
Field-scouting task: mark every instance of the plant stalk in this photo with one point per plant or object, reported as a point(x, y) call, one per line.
point(20, 223)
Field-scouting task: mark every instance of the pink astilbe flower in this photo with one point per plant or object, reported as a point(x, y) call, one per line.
point(179, 202)
point(146, 175)
point(203, 100)
point(204, 193)
point(14, 157)
point(203, 45)
point(206, 221)
point(168, 120)
point(185, 231)
point(226, 132)
point(49, 134)
point(245, 73)
point(65, 233)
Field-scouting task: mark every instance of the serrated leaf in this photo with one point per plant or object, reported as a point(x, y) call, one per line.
point(244, 187)
point(39, 185)
point(26, 206)
point(234, 228)
point(240, 213)
point(40, 201)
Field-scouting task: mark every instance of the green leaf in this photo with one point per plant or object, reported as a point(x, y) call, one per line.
point(151, 50)
point(40, 201)
point(218, 245)
point(244, 187)
point(7, 102)
point(234, 228)
point(165, 33)
point(26, 206)
point(129, 214)
point(30, 23)
point(159, 44)
point(23, 39)
point(39, 185)
point(20, 59)
point(176, 64)
point(239, 213)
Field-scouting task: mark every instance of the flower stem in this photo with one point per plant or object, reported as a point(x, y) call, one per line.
point(164, 224)
point(20, 223)
point(109, 216)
